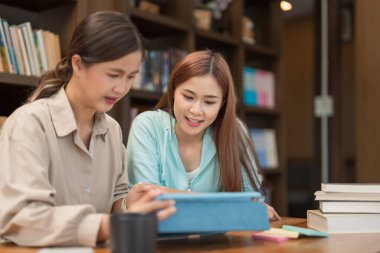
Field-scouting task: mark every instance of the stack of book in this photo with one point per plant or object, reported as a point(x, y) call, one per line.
point(346, 208)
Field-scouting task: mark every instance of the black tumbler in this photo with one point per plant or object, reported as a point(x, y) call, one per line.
point(133, 232)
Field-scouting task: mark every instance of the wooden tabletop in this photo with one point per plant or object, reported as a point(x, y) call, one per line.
point(242, 242)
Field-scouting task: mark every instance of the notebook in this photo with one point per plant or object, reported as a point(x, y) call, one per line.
point(216, 213)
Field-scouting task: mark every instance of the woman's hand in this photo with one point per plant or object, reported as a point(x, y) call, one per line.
point(141, 198)
point(137, 192)
point(272, 214)
point(104, 230)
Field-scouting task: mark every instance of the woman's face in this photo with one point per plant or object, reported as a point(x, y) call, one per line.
point(101, 85)
point(196, 105)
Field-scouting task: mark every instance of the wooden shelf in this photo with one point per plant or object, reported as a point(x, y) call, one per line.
point(216, 37)
point(173, 29)
point(271, 171)
point(156, 25)
point(37, 5)
point(6, 78)
point(260, 50)
point(261, 110)
point(145, 95)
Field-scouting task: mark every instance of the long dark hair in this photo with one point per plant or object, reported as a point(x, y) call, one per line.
point(234, 148)
point(100, 37)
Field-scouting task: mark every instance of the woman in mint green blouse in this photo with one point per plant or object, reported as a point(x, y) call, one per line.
point(194, 141)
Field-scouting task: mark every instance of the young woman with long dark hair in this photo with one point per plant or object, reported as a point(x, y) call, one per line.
point(194, 140)
point(62, 160)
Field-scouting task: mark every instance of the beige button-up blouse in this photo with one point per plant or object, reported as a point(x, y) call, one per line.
point(52, 188)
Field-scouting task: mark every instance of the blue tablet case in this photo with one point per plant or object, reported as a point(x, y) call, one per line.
point(216, 212)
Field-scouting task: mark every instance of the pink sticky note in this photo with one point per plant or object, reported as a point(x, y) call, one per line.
point(270, 237)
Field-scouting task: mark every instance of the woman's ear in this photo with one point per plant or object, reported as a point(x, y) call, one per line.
point(77, 64)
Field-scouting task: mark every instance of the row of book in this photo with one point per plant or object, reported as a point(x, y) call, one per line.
point(156, 68)
point(346, 208)
point(26, 51)
point(258, 87)
point(264, 141)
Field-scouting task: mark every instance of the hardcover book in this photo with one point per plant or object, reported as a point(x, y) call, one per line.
point(349, 206)
point(337, 196)
point(345, 223)
point(351, 188)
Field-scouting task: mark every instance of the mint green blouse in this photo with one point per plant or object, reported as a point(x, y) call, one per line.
point(153, 156)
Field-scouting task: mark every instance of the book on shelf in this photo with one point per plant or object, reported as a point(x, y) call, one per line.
point(258, 87)
point(1, 62)
point(351, 188)
point(2, 53)
point(343, 222)
point(17, 49)
point(338, 196)
point(25, 61)
point(349, 206)
point(10, 46)
point(4, 50)
point(264, 141)
point(27, 32)
point(41, 50)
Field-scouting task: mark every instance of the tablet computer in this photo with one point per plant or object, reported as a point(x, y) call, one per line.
point(215, 213)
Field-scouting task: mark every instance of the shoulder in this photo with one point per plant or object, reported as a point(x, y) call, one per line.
point(113, 124)
point(157, 119)
point(27, 119)
point(30, 113)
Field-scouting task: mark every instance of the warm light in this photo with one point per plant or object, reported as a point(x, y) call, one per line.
point(286, 6)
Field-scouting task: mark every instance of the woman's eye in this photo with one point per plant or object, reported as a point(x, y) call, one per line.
point(131, 77)
point(113, 75)
point(188, 97)
point(209, 102)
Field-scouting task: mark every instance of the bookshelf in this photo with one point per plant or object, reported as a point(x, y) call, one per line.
point(172, 27)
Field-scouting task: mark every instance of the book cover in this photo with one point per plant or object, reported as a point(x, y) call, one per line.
point(41, 50)
point(9, 42)
point(17, 49)
point(351, 188)
point(349, 206)
point(50, 47)
point(24, 53)
point(57, 47)
point(265, 144)
point(216, 212)
point(343, 223)
point(30, 48)
point(249, 86)
point(4, 52)
point(327, 196)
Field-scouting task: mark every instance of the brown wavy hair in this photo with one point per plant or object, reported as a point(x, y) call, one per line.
point(100, 37)
point(234, 147)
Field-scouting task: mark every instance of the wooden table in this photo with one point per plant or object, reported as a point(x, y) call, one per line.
point(241, 242)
